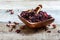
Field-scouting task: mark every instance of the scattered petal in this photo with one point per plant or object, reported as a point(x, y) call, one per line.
point(18, 31)
point(48, 31)
point(54, 26)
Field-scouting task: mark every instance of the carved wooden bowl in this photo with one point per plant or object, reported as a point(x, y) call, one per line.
point(36, 24)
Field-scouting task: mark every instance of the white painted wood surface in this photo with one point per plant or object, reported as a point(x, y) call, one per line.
point(5, 35)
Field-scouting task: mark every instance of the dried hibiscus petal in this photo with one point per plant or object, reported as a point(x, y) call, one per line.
point(33, 17)
point(23, 27)
point(54, 26)
point(9, 21)
point(13, 25)
point(16, 23)
point(58, 31)
point(11, 12)
point(18, 31)
point(8, 25)
point(48, 31)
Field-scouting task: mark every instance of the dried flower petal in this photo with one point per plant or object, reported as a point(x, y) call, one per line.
point(48, 31)
point(16, 23)
point(18, 31)
point(54, 26)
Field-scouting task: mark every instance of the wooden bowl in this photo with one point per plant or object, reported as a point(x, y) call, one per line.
point(36, 24)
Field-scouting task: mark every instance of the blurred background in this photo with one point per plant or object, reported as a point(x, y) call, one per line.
point(52, 7)
point(30, 0)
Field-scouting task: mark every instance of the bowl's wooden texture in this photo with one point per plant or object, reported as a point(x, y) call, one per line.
point(36, 24)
